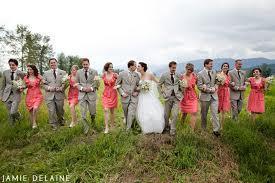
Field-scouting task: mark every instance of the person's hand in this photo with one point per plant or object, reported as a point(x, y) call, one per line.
point(243, 88)
point(75, 85)
point(88, 89)
point(232, 84)
point(21, 89)
point(135, 94)
point(124, 95)
point(51, 89)
point(204, 87)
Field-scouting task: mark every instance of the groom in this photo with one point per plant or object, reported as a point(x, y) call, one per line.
point(127, 84)
point(169, 87)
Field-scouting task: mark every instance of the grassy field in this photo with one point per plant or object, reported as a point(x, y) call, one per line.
point(244, 153)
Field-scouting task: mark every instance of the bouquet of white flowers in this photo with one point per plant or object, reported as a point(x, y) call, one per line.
point(64, 79)
point(18, 84)
point(183, 83)
point(270, 79)
point(220, 78)
point(144, 86)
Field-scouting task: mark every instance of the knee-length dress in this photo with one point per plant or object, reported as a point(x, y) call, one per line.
point(34, 96)
point(73, 92)
point(255, 101)
point(224, 96)
point(189, 103)
point(109, 96)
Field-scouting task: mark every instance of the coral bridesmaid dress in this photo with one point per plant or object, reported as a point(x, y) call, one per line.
point(34, 95)
point(109, 96)
point(255, 101)
point(189, 103)
point(73, 92)
point(224, 96)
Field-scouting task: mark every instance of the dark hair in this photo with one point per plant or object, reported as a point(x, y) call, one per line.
point(172, 63)
point(131, 63)
point(107, 65)
point(238, 60)
point(144, 65)
point(52, 59)
point(35, 70)
point(84, 59)
point(207, 61)
point(14, 61)
point(257, 68)
point(190, 66)
point(225, 63)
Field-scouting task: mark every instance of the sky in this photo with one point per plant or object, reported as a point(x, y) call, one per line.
point(152, 31)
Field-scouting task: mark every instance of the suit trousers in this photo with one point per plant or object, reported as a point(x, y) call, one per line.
point(56, 111)
point(129, 110)
point(12, 106)
point(85, 105)
point(213, 104)
point(171, 108)
point(236, 107)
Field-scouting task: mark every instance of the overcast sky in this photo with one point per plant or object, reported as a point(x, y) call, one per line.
point(153, 31)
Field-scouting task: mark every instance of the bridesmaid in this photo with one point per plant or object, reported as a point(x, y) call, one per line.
point(255, 103)
point(73, 94)
point(109, 97)
point(223, 93)
point(189, 103)
point(34, 95)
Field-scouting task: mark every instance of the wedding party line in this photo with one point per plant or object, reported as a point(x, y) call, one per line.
point(140, 92)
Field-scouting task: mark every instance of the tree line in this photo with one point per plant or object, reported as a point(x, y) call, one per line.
point(29, 47)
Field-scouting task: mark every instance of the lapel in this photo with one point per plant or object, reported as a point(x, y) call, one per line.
point(90, 73)
point(128, 78)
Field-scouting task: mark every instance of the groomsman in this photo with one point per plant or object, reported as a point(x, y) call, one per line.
point(9, 93)
point(169, 87)
point(127, 84)
point(54, 93)
point(208, 96)
point(88, 83)
point(237, 88)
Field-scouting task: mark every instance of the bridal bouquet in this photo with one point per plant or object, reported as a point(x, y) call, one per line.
point(269, 79)
point(183, 83)
point(220, 78)
point(145, 86)
point(18, 84)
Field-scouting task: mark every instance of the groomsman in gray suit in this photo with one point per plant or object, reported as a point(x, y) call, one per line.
point(169, 87)
point(55, 93)
point(237, 88)
point(208, 96)
point(88, 84)
point(9, 93)
point(127, 84)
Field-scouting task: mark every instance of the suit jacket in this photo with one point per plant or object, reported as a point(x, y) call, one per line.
point(166, 86)
point(7, 85)
point(203, 79)
point(50, 81)
point(127, 85)
point(90, 82)
point(235, 93)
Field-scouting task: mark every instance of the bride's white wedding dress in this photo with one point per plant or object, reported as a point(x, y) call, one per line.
point(150, 112)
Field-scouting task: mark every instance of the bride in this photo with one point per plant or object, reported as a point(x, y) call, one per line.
point(150, 112)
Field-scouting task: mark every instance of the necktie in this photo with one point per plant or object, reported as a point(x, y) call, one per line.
point(172, 78)
point(209, 75)
point(86, 74)
point(239, 74)
point(54, 74)
point(12, 75)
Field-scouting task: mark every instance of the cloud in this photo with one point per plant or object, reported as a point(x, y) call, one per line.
point(152, 31)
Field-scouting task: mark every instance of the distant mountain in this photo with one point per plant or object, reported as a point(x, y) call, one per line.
point(247, 63)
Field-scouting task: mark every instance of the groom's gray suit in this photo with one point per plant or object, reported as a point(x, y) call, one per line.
point(208, 98)
point(128, 82)
point(11, 95)
point(236, 95)
point(87, 100)
point(172, 94)
point(55, 99)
